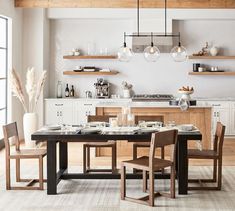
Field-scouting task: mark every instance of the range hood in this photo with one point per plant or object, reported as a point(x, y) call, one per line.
point(164, 44)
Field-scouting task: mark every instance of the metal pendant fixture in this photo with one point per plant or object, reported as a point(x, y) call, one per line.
point(152, 53)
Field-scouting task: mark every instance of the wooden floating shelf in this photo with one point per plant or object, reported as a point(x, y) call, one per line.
point(90, 73)
point(213, 73)
point(211, 57)
point(91, 57)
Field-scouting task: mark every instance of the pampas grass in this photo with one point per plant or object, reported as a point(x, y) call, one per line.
point(32, 88)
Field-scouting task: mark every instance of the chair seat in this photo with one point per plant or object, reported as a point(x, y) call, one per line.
point(143, 163)
point(202, 154)
point(100, 144)
point(28, 153)
point(141, 144)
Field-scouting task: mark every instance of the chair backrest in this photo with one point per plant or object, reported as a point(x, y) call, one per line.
point(219, 138)
point(158, 118)
point(98, 118)
point(161, 139)
point(10, 132)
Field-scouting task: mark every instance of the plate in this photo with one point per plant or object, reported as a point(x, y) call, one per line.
point(90, 130)
point(148, 130)
point(186, 127)
point(120, 130)
point(185, 92)
point(97, 124)
point(52, 127)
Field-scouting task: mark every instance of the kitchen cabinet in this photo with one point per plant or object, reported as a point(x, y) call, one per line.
point(82, 110)
point(58, 112)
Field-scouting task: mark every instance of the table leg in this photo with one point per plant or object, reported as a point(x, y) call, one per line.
point(182, 162)
point(63, 150)
point(51, 168)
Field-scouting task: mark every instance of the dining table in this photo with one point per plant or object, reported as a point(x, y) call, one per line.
point(62, 138)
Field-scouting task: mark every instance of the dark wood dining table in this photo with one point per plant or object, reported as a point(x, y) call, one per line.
point(62, 138)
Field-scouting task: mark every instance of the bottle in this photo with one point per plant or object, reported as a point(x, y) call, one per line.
point(59, 89)
point(72, 92)
point(67, 91)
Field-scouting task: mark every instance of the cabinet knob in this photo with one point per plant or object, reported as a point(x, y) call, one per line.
point(60, 113)
point(57, 104)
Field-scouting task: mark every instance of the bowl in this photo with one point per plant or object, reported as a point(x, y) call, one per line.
point(186, 127)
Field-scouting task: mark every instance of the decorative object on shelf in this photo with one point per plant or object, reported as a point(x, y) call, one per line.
point(214, 51)
point(91, 48)
point(204, 51)
point(151, 53)
point(66, 93)
point(126, 89)
point(196, 66)
point(59, 89)
point(33, 90)
point(201, 69)
point(102, 88)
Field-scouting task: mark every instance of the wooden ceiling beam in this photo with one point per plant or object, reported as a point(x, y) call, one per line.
point(210, 4)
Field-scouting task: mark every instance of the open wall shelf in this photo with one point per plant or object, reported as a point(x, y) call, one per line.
point(91, 57)
point(212, 57)
point(90, 73)
point(213, 73)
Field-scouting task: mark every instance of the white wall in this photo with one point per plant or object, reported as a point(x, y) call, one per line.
point(164, 76)
point(7, 9)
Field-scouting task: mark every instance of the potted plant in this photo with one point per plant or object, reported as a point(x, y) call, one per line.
point(126, 89)
point(33, 89)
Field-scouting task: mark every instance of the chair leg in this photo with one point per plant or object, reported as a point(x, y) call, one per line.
point(219, 173)
point(88, 157)
point(17, 170)
point(145, 181)
point(123, 182)
point(215, 162)
point(84, 159)
point(162, 156)
point(114, 158)
point(8, 174)
point(151, 188)
point(41, 173)
point(134, 156)
point(172, 182)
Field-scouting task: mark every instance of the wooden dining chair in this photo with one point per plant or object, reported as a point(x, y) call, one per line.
point(87, 146)
point(10, 132)
point(151, 164)
point(137, 145)
point(216, 155)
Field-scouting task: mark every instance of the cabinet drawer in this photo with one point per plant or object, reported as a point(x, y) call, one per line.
point(218, 104)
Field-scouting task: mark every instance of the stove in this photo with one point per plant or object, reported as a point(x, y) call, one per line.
point(152, 97)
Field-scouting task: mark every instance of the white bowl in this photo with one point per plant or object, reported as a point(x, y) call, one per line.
point(186, 127)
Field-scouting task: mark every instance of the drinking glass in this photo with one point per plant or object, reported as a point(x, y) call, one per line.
point(131, 120)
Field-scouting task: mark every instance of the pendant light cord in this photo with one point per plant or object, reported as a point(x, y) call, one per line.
point(138, 17)
point(165, 17)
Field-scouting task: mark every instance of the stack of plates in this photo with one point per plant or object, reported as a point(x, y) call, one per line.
point(148, 130)
point(97, 124)
point(52, 127)
point(90, 130)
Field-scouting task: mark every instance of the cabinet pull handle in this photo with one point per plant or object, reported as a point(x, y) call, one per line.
point(87, 104)
point(217, 114)
point(216, 104)
point(57, 113)
point(59, 104)
point(61, 113)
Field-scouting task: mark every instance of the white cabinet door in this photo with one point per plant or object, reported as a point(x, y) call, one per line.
point(82, 110)
point(220, 113)
point(58, 112)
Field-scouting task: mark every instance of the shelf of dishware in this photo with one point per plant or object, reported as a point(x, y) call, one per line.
point(213, 73)
point(91, 57)
point(212, 57)
point(90, 73)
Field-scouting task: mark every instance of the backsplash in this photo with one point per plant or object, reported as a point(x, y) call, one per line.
point(163, 76)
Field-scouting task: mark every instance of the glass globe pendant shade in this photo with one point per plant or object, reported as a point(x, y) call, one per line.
point(151, 53)
point(179, 53)
point(125, 53)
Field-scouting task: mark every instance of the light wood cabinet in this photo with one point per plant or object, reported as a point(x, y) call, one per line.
point(200, 117)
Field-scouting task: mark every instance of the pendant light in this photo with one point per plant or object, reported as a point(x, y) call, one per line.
point(151, 53)
point(125, 53)
point(179, 53)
